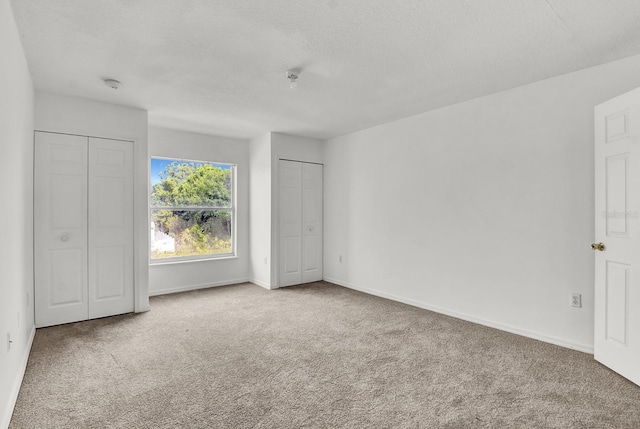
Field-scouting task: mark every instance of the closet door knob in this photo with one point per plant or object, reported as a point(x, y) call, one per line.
point(64, 237)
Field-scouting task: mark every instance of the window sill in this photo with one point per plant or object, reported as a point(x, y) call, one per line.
point(188, 261)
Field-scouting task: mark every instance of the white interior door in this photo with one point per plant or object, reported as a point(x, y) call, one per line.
point(617, 235)
point(60, 228)
point(83, 228)
point(290, 219)
point(311, 222)
point(300, 222)
point(110, 277)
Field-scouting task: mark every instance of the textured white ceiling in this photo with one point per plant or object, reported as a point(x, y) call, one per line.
point(218, 66)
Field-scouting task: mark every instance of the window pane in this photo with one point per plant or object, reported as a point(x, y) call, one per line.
point(190, 184)
point(190, 233)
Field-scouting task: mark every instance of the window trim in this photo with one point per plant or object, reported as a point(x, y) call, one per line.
point(233, 209)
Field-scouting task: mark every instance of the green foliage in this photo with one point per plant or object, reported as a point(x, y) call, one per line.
point(196, 232)
point(192, 184)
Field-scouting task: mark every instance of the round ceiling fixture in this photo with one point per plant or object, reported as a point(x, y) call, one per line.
point(292, 75)
point(112, 83)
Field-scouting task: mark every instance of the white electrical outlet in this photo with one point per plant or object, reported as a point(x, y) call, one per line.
point(340, 258)
point(265, 260)
point(576, 300)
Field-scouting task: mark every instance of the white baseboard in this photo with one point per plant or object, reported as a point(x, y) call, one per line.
point(458, 315)
point(260, 283)
point(143, 309)
point(197, 286)
point(15, 389)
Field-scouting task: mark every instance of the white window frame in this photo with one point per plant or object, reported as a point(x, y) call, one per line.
point(232, 209)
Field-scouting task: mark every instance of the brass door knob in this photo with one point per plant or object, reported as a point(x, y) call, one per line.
point(597, 246)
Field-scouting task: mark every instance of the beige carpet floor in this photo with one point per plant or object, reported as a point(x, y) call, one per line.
point(313, 356)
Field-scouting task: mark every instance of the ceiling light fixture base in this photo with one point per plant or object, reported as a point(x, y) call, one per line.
point(112, 83)
point(292, 75)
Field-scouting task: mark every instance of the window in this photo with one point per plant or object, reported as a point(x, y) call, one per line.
point(192, 209)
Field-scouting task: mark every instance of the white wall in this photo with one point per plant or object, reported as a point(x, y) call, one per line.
point(16, 215)
point(260, 210)
point(174, 277)
point(483, 210)
point(63, 114)
point(296, 148)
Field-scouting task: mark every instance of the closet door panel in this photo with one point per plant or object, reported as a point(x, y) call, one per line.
point(311, 222)
point(60, 228)
point(300, 222)
point(110, 227)
point(290, 227)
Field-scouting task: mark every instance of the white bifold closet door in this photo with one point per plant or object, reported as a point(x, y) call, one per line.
point(300, 222)
point(83, 228)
